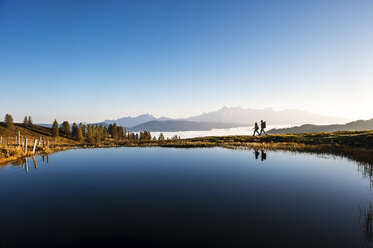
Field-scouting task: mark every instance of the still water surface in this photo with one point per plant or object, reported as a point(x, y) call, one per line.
point(157, 197)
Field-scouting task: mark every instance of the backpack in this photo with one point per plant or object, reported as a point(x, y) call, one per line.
point(264, 124)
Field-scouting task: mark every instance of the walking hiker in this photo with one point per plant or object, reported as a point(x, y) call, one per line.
point(262, 126)
point(256, 128)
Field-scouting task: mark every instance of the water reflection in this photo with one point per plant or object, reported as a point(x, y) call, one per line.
point(23, 162)
point(366, 219)
point(26, 165)
point(152, 173)
point(2, 241)
point(262, 153)
point(35, 164)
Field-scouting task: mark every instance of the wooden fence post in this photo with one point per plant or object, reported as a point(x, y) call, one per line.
point(43, 142)
point(7, 141)
point(1, 140)
point(19, 137)
point(33, 150)
point(26, 145)
point(47, 141)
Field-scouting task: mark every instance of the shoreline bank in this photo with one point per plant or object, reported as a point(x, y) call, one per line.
point(355, 145)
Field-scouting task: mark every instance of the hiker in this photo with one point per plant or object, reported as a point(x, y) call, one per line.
point(256, 128)
point(262, 126)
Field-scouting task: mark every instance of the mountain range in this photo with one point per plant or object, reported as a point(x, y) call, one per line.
point(180, 125)
point(226, 117)
point(233, 115)
point(133, 121)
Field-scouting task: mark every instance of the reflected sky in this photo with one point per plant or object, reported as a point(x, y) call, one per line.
point(161, 197)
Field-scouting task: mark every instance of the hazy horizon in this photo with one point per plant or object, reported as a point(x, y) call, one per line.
point(96, 60)
point(20, 118)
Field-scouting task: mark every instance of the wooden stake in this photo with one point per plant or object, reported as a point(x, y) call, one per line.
point(33, 150)
point(26, 145)
point(19, 137)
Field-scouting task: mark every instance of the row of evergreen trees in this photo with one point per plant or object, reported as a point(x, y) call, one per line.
point(97, 133)
point(91, 133)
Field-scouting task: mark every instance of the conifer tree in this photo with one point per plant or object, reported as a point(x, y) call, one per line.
point(110, 130)
point(120, 132)
point(80, 136)
point(161, 137)
point(115, 131)
point(55, 130)
point(65, 127)
point(84, 130)
point(29, 121)
point(90, 134)
point(25, 121)
point(97, 133)
point(75, 130)
point(105, 133)
point(101, 131)
point(9, 120)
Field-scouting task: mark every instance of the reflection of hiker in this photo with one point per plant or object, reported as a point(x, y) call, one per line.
point(256, 152)
point(256, 128)
point(263, 155)
point(262, 126)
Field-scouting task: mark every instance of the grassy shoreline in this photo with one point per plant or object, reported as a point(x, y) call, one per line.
point(355, 145)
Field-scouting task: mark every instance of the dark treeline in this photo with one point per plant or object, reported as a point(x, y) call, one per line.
point(92, 133)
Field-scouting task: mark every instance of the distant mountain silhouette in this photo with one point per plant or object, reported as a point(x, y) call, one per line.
point(350, 126)
point(133, 121)
point(241, 115)
point(177, 125)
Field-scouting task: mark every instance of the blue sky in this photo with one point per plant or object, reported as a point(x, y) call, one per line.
point(96, 60)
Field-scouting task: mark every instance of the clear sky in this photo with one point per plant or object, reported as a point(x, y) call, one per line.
point(95, 60)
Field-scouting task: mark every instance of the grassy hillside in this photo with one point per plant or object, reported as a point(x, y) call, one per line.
point(355, 139)
point(359, 125)
point(32, 132)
